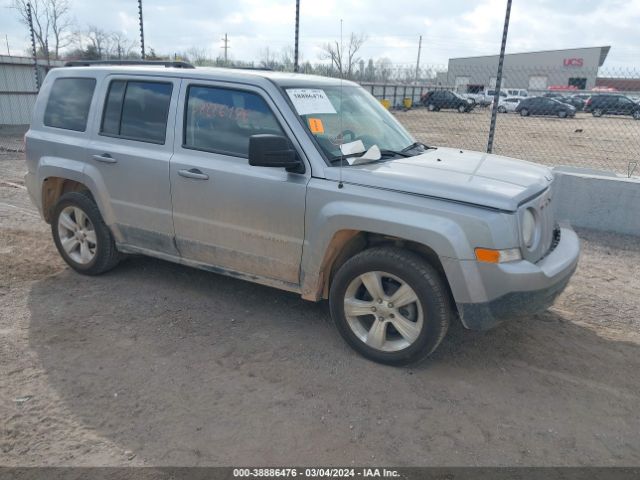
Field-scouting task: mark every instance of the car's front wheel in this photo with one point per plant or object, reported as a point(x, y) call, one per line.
point(597, 112)
point(524, 112)
point(502, 110)
point(81, 236)
point(390, 305)
point(562, 114)
point(636, 115)
point(462, 108)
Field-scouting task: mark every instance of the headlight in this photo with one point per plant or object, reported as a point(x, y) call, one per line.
point(529, 228)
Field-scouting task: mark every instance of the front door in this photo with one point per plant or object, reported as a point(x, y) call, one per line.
point(227, 213)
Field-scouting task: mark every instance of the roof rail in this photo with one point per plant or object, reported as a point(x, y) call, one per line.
point(88, 63)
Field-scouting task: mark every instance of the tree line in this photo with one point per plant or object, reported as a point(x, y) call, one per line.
point(58, 36)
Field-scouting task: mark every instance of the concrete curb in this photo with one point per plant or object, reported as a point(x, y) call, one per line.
point(597, 200)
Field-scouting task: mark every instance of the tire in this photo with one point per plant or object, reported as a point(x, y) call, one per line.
point(462, 108)
point(636, 115)
point(562, 114)
point(524, 112)
point(502, 110)
point(597, 112)
point(424, 320)
point(82, 238)
point(431, 107)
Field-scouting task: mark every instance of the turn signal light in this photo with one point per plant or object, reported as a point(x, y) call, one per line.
point(489, 255)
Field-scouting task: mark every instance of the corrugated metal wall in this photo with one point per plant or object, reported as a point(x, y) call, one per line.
point(18, 90)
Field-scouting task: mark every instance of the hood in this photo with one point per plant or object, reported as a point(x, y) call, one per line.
point(460, 175)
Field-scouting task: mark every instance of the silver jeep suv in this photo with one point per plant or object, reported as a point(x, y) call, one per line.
point(298, 182)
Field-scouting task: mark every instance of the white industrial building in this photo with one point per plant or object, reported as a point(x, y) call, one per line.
point(574, 67)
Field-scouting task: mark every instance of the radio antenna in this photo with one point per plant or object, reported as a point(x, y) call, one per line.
point(340, 184)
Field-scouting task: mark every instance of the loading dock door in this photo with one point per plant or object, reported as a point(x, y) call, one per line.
point(538, 82)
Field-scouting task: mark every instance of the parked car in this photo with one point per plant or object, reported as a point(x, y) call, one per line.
point(517, 92)
point(612, 104)
point(569, 99)
point(583, 97)
point(509, 104)
point(252, 174)
point(436, 100)
point(483, 98)
point(545, 106)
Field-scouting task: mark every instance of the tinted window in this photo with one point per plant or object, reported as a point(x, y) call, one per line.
point(69, 102)
point(112, 108)
point(137, 110)
point(222, 120)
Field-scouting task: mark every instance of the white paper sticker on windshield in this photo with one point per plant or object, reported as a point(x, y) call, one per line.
point(310, 100)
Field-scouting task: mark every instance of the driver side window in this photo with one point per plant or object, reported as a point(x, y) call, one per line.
point(221, 120)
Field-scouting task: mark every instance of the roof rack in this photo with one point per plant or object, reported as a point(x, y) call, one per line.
point(88, 63)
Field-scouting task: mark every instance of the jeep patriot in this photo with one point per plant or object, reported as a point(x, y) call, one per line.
point(298, 182)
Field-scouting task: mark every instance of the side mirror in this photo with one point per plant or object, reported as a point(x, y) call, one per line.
point(273, 151)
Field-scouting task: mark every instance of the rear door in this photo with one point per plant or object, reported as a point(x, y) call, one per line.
point(227, 213)
point(129, 153)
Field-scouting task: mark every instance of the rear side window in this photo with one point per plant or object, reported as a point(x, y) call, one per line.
point(137, 110)
point(69, 103)
point(222, 120)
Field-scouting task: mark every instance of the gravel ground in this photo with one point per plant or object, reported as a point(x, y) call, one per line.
point(159, 364)
point(606, 143)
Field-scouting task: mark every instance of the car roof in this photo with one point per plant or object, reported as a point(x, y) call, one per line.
point(283, 79)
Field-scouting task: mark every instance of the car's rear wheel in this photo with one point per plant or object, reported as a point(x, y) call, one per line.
point(636, 115)
point(524, 112)
point(81, 236)
point(431, 107)
point(597, 112)
point(562, 114)
point(390, 305)
point(502, 110)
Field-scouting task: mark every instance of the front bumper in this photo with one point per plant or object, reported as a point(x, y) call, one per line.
point(497, 292)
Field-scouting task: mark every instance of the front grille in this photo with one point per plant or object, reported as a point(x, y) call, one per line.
point(543, 205)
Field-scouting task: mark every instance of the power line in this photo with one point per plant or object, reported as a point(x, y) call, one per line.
point(226, 47)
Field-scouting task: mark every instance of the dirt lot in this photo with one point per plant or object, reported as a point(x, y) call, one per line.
point(159, 364)
point(606, 143)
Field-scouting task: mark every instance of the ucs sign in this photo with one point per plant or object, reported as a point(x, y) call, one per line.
point(573, 62)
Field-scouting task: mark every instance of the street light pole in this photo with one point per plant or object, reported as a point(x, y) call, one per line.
point(496, 95)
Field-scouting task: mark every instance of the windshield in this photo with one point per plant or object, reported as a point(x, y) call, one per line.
point(358, 116)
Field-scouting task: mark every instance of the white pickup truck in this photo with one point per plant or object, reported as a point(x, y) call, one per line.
point(485, 97)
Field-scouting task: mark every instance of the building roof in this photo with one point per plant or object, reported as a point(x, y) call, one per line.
point(604, 51)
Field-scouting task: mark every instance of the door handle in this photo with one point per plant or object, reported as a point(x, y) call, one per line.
point(193, 173)
point(104, 158)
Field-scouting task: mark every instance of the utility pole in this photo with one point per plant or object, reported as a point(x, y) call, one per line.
point(33, 47)
point(296, 67)
point(225, 47)
point(142, 55)
point(496, 95)
point(418, 62)
point(6, 38)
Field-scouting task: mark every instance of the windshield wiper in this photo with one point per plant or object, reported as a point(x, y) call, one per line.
point(383, 154)
point(416, 145)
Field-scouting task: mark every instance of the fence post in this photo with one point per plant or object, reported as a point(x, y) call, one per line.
point(33, 47)
point(496, 95)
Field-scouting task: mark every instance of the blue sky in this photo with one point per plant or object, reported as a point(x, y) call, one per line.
point(449, 29)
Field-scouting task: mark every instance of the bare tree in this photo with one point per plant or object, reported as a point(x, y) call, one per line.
point(268, 59)
point(122, 46)
point(198, 56)
point(51, 23)
point(343, 59)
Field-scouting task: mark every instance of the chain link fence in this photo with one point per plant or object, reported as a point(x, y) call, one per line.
point(575, 116)
point(588, 118)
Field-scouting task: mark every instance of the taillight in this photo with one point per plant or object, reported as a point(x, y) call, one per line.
point(588, 102)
